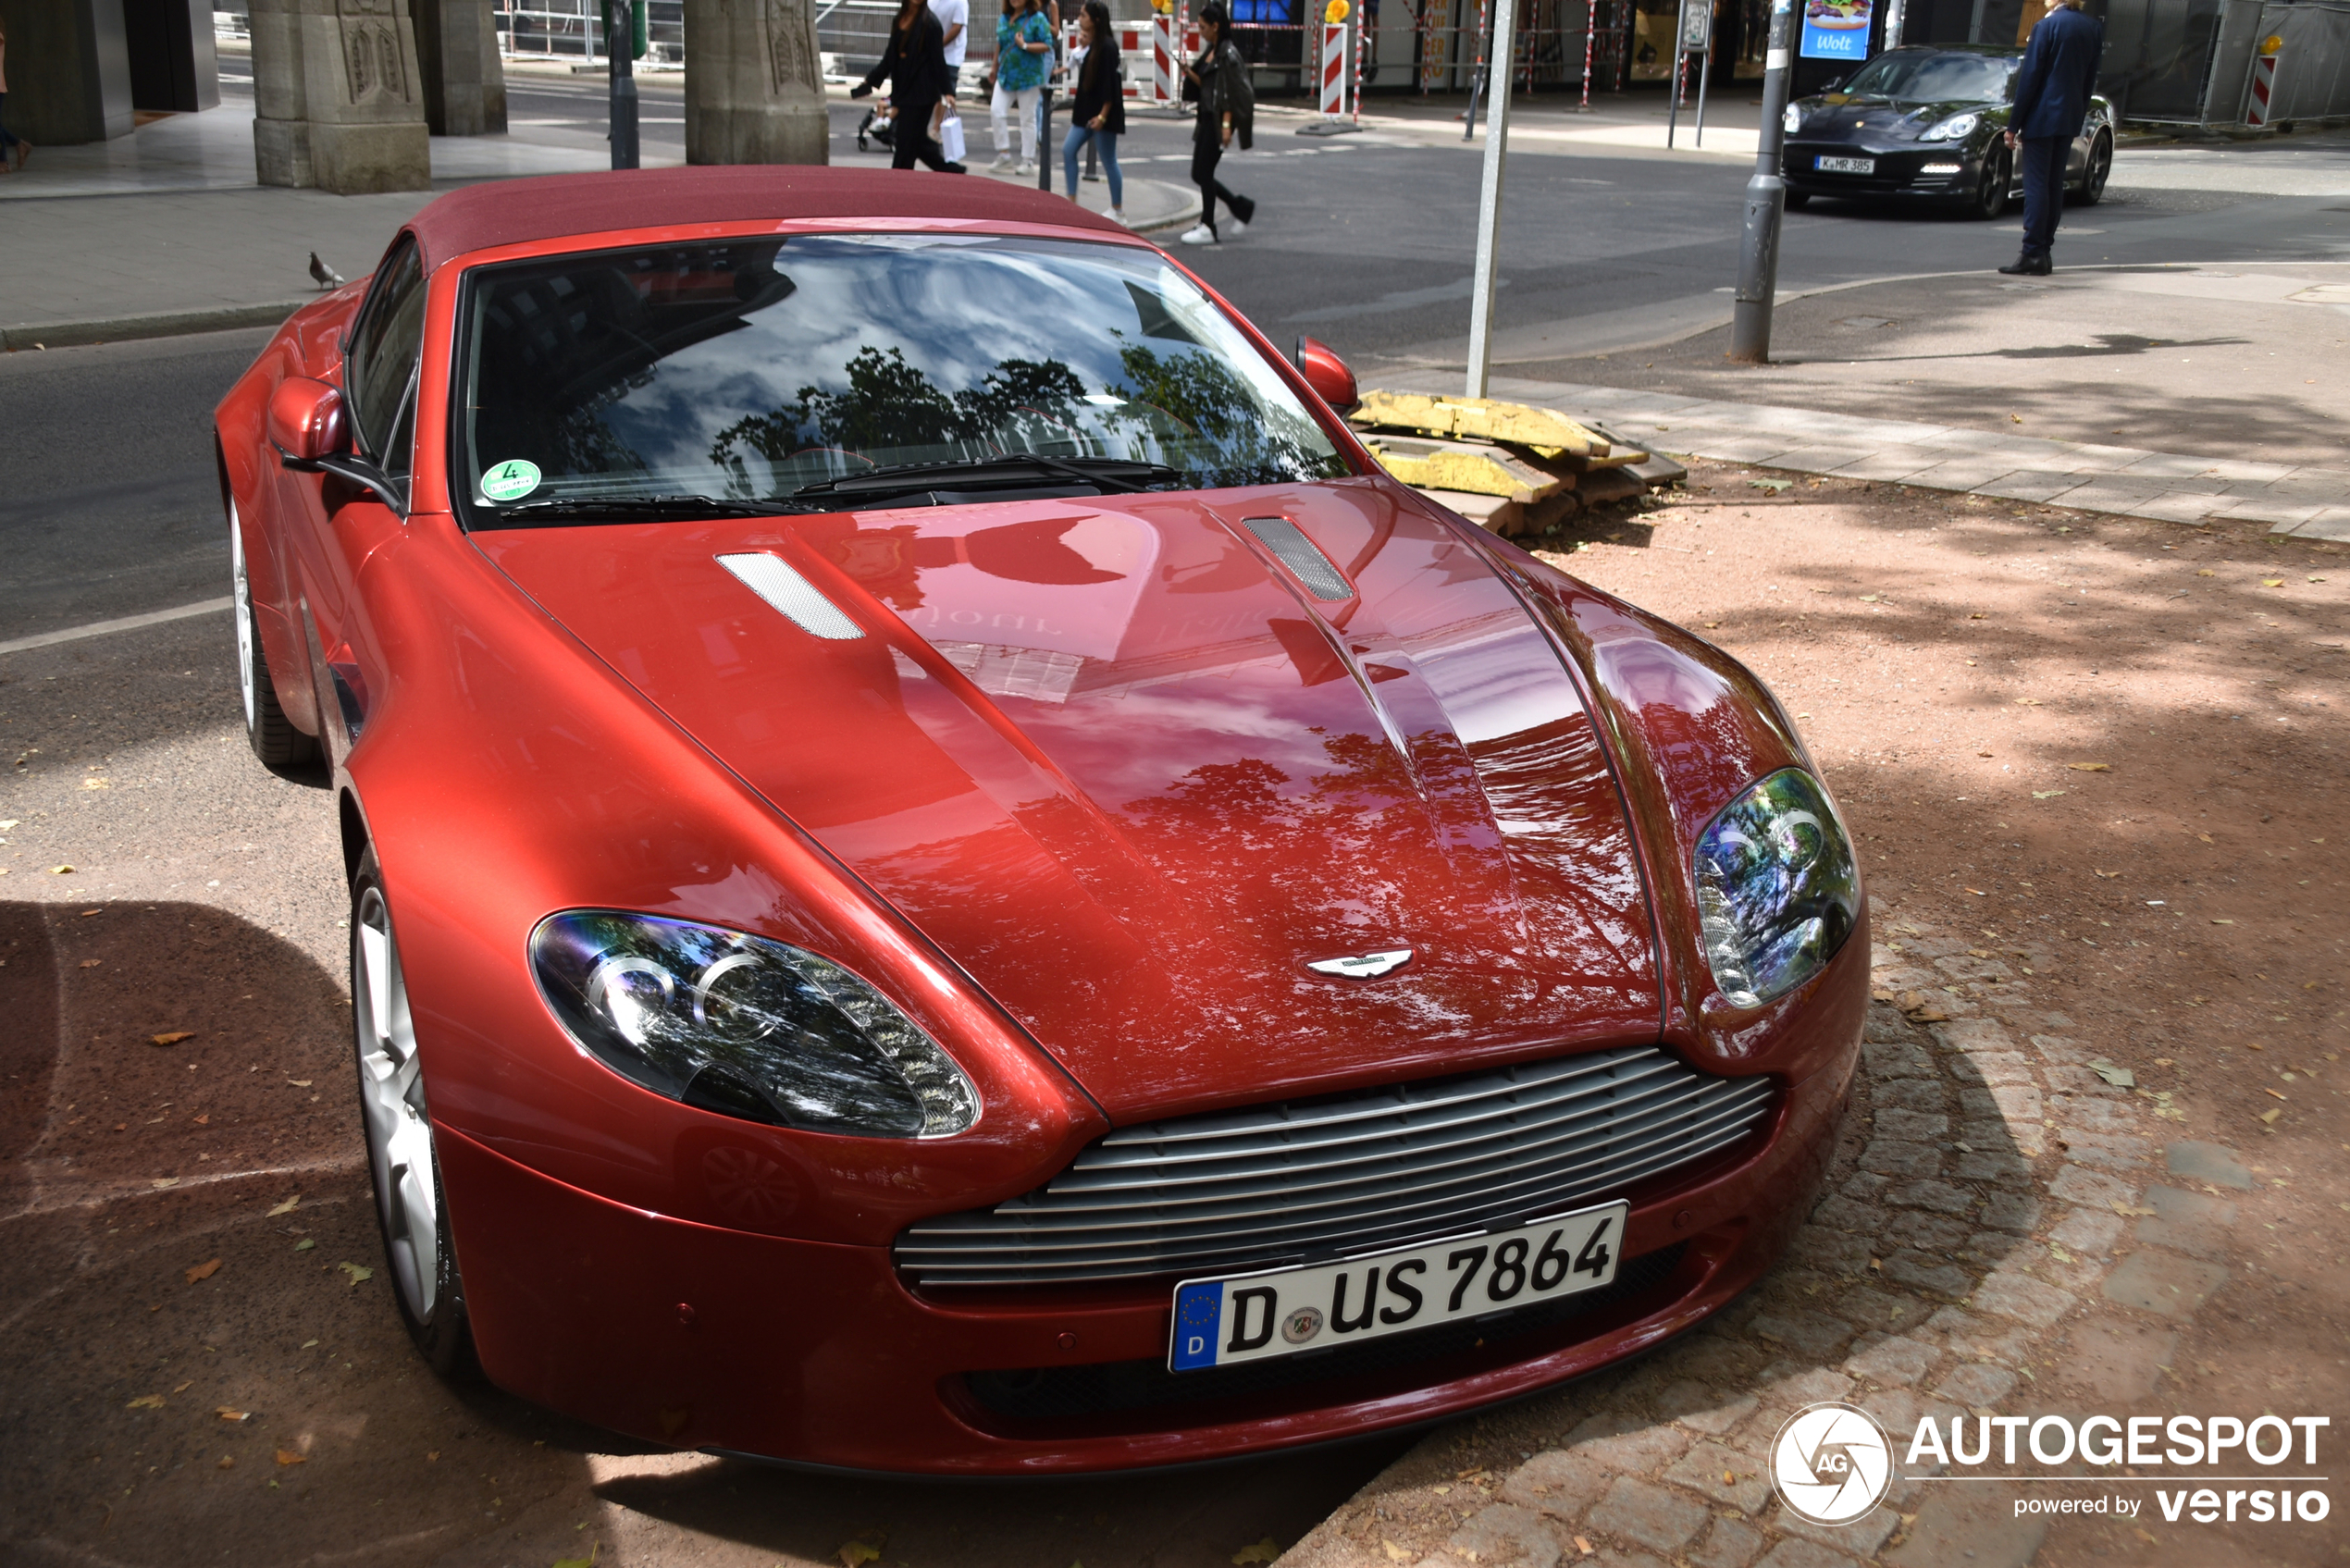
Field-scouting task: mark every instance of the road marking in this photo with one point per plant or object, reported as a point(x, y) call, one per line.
point(121, 623)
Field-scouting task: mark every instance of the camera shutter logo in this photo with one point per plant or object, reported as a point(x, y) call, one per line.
point(1831, 1463)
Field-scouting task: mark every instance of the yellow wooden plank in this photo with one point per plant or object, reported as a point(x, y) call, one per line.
point(1480, 419)
point(1485, 471)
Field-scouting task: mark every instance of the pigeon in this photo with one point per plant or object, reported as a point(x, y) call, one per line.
point(327, 277)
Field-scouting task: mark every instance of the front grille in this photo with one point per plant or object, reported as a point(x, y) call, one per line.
point(1344, 1174)
point(1047, 1393)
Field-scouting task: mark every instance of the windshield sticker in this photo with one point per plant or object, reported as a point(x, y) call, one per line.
point(510, 480)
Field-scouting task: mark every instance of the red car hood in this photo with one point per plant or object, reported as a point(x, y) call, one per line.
point(1133, 778)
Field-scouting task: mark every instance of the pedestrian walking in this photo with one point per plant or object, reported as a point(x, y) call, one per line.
point(914, 63)
point(954, 20)
point(1097, 107)
point(1023, 56)
point(2050, 105)
point(14, 149)
point(1227, 107)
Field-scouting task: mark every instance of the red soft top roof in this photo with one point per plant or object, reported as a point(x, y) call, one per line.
point(508, 212)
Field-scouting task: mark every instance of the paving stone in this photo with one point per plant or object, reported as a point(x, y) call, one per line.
point(1913, 1126)
point(1862, 1536)
point(1610, 1557)
point(2089, 1230)
point(1627, 1442)
point(1922, 1272)
point(1557, 1482)
point(1971, 1034)
point(1897, 1060)
point(1811, 1333)
point(1907, 1094)
point(2018, 1295)
point(1991, 1133)
point(2015, 1105)
point(1898, 1410)
point(1846, 1215)
point(2213, 1163)
point(1729, 1544)
point(1970, 1527)
point(1977, 1385)
point(1982, 1165)
point(2078, 1080)
point(1887, 1156)
point(1794, 1553)
point(2121, 1362)
point(2110, 1151)
point(1503, 1532)
point(1892, 1361)
point(1830, 1250)
point(2075, 1185)
point(1938, 1197)
point(2057, 1048)
point(1959, 966)
point(2163, 1282)
point(1703, 1469)
point(1979, 1337)
point(1792, 1385)
point(1990, 1066)
point(1712, 1357)
point(1931, 1233)
point(1704, 1409)
point(2008, 1211)
point(2092, 1115)
point(2187, 1222)
point(1648, 1515)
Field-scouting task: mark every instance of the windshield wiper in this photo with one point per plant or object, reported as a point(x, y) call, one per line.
point(643, 507)
point(1127, 476)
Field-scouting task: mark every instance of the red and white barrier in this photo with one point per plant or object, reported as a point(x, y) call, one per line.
point(1335, 85)
point(2259, 108)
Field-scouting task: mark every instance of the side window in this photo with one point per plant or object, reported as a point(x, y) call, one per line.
point(380, 360)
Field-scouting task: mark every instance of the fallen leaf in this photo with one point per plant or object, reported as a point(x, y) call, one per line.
point(2130, 1209)
point(91, 963)
point(173, 1038)
point(285, 1207)
point(299, 1082)
point(2027, 702)
point(2015, 419)
point(2272, 582)
point(185, 1387)
point(854, 1554)
point(359, 1276)
point(2271, 1114)
point(228, 1461)
point(160, 1182)
point(2109, 876)
point(2121, 1077)
point(1977, 615)
point(2090, 767)
point(1394, 1553)
point(103, 783)
point(2142, 1535)
point(2205, 572)
point(1440, 1491)
point(205, 1120)
point(586, 1561)
point(309, 1344)
point(1265, 1551)
point(60, 870)
point(203, 1271)
point(287, 1456)
point(1772, 486)
point(231, 1413)
point(304, 1244)
point(145, 1401)
point(2045, 793)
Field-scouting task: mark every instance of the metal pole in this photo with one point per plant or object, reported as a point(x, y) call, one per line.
point(1477, 77)
point(620, 41)
point(1765, 199)
point(1704, 75)
point(1590, 38)
point(1672, 101)
point(1488, 203)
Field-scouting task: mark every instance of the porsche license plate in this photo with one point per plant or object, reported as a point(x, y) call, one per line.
point(1845, 165)
point(1282, 1312)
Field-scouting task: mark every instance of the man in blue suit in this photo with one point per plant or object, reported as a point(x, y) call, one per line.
point(2052, 88)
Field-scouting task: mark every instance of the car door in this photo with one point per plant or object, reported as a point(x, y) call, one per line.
point(336, 525)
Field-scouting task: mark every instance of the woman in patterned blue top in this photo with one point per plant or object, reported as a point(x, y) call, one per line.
point(1023, 56)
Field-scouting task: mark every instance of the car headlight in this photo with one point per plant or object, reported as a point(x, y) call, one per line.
point(745, 1027)
point(1791, 121)
point(1951, 130)
point(1776, 889)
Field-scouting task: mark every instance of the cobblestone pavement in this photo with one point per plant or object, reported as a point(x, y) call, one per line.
point(2006, 1231)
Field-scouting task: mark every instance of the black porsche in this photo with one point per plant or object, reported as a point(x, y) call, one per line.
point(1927, 122)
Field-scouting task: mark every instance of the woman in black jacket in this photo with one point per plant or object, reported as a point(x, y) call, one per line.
point(1224, 103)
point(1098, 110)
point(914, 63)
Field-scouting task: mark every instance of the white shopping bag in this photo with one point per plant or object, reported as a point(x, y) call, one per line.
point(950, 137)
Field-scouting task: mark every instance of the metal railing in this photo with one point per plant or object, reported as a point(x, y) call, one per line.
point(574, 30)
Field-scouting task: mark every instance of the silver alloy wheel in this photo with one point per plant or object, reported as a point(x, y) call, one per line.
point(391, 1096)
point(245, 618)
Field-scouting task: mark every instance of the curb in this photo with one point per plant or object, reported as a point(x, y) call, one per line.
point(167, 323)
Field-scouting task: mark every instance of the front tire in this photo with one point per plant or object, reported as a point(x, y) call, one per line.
point(403, 1167)
point(2095, 173)
point(271, 735)
point(1798, 200)
point(1990, 198)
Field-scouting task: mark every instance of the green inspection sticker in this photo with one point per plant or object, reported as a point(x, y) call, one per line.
point(510, 480)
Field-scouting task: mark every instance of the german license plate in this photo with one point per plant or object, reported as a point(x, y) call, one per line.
point(1845, 165)
point(1283, 1311)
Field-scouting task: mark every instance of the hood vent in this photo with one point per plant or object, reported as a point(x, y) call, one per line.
point(1294, 549)
point(795, 595)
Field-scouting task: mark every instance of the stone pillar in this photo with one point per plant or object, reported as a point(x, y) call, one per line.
point(465, 80)
point(754, 91)
point(172, 64)
point(69, 70)
point(337, 98)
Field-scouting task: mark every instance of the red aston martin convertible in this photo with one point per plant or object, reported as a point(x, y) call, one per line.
point(948, 877)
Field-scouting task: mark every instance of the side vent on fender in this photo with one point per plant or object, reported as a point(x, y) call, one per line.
point(774, 580)
point(1294, 549)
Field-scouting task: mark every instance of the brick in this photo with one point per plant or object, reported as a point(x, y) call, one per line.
point(2075, 1185)
point(2215, 1164)
point(1897, 1060)
point(2187, 1222)
point(1805, 1554)
point(1939, 1196)
point(1972, 1035)
point(1970, 1527)
point(1627, 1442)
point(2008, 1211)
point(2018, 1296)
point(1503, 1532)
point(1812, 1333)
point(1892, 1361)
point(1703, 1469)
point(1907, 1095)
point(1930, 1232)
point(2092, 1115)
point(1704, 1409)
point(1977, 1385)
point(1729, 1544)
point(1863, 1534)
point(1890, 1157)
point(1991, 1066)
point(1830, 1250)
point(2109, 1151)
point(2163, 1282)
point(1920, 1271)
point(1845, 1214)
point(2087, 1230)
point(1648, 1515)
point(1915, 1127)
point(1981, 1164)
point(1556, 1482)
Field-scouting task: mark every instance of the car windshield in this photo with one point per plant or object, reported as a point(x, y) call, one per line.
point(744, 371)
point(1927, 78)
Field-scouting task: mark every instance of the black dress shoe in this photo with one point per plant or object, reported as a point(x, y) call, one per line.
point(2029, 266)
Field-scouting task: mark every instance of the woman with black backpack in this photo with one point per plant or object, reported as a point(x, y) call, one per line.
point(1227, 107)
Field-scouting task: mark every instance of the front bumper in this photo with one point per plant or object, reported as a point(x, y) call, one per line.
point(1901, 170)
point(704, 1338)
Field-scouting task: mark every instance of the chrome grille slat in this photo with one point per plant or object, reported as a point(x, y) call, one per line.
point(1231, 1190)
